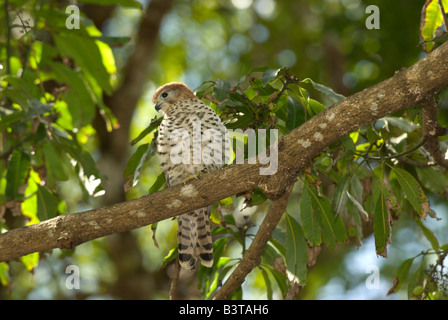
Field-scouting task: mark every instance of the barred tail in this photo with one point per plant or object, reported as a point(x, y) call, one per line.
point(194, 239)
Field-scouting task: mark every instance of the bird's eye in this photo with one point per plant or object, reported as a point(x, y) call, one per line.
point(164, 95)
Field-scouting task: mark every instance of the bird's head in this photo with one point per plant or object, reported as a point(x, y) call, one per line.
point(169, 94)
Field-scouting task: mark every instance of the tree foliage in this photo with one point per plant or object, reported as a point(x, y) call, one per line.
point(53, 83)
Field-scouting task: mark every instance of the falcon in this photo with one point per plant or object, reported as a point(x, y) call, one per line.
point(191, 126)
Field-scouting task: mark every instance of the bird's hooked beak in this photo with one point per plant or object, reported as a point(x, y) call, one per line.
point(158, 106)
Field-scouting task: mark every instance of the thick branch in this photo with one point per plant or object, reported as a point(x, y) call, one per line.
point(405, 89)
point(251, 257)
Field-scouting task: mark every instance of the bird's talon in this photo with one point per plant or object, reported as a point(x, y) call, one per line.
point(194, 176)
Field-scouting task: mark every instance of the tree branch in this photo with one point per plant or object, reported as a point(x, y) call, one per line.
point(175, 281)
point(251, 257)
point(8, 39)
point(442, 11)
point(405, 89)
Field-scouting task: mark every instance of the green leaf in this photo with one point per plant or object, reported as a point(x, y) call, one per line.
point(269, 75)
point(137, 160)
point(348, 143)
point(242, 122)
point(296, 113)
point(54, 160)
point(211, 278)
point(72, 147)
point(47, 204)
point(218, 248)
point(328, 92)
point(269, 254)
point(257, 197)
point(372, 136)
point(428, 234)
point(296, 250)
point(340, 193)
point(381, 226)
point(115, 42)
point(433, 179)
point(29, 204)
point(431, 20)
point(21, 91)
point(152, 126)
point(8, 120)
point(333, 228)
point(413, 191)
point(355, 227)
point(30, 261)
point(250, 93)
point(36, 108)
point(279, 241)
point(79, 99)
point(267, 281)
point(87, 55)
point(401, 275)
point(360, 209)
point(18, 168)
point(309, 223)
point(382, 219)
point(169, 257)
point(279, 278)
point(4, 274)
point(107, 57)
point(204, 88)
point(315, 107)
point(402, 123)
point(262, 93)
point(158, 184)
point(221, 90)
point(416, 278)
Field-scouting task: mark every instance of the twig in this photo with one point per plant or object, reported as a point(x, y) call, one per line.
point(288, 80)
point(442, 10)
point(8, 39)
point(175, 281)
point(393, 156)
point(251, 257)
point(417, 164)
point(8, 152)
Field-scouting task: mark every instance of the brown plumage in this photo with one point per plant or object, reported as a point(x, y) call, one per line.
point(183, 111)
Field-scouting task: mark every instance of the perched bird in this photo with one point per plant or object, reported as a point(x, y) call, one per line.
point(202, 142)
